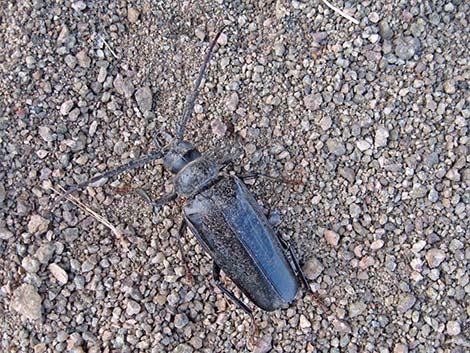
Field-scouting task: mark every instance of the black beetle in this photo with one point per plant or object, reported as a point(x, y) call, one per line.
point(226, 220)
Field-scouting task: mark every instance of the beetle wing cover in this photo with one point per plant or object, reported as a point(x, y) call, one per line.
point(235, 232)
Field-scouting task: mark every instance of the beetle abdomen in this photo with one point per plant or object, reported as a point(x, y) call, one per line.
point(233, 230)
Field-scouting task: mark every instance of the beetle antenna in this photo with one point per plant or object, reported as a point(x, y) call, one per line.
point(131, 165)
point(192, 98)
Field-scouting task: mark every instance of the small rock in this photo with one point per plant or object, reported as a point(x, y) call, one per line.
point(2, 193)
point(40, 348)
point(30, 264)
point(218, 127)
point(304, 322)
point(400, 348)
point(453, 328)
point(336, 146)
point(434, 257)
point(381, 136)
point(79, 5)
point(5, 234)
point(419, 191)
point(405, 303)
point(355, 210)
point(59, 273)
point(132, 15)
point(183, 348)
point(232, 102)
point(27, 301)
point(279, 49)
point(313, 101)
point(38, 225)
point(66, 107)
point(331, 238)
point(181, 320)
point(45, 252)
point(325, 123)
point(263, 344)
point(363, 145)
point(124, 87)
point(374, 17)
point(453, 175)
point(313, 268)
point(356, 309)
point(385, 30)
point(132, 307)
point(341, 326)
point(46, 134)
point(406, 48)
point(222, 39)
point(196, 342)
point(377, 244)
point(143, 96)
point(83, 59)
point(449, 87)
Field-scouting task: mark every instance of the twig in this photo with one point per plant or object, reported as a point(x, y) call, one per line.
point(340, 12)
point(93, 213)
point(109, 48)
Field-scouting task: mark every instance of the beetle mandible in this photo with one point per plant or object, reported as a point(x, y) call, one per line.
point(226, 220)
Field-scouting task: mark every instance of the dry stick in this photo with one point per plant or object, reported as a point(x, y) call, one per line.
point(93, 213)
point(109, 47)
point(342, 13)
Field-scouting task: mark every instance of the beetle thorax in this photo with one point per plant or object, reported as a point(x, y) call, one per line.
point(179, 156)
point(195, 176)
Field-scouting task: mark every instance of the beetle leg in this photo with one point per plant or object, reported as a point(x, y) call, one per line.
point(300, 273)
point(253, 175)
point(181, 233)
point(156, 203)
point(232, 297)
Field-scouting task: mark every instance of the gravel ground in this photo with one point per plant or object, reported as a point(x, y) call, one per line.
point(373, 118)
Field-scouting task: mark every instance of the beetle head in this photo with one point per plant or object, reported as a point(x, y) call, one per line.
point(180, 154)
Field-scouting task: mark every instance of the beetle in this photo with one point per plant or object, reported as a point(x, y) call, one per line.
point(225, 218)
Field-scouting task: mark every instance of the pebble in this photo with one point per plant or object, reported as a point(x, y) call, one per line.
point(434, 257)
point(279, 49)
point(183, 348)
point(5, 234)
point(38, 225)
point(143, 96)
point(407, 47)
point(325, 123)
point(304, 322)
point(132, 15)
point(79, 5)
point(263, 344)
point(313, 268)
point(132, 307)
point(59, 273)
point(336, 146)
point(341, 326)
point(2, 192)
point(44, 253)
point(46, 134)
point(27, 301)
point(30, 264)
point(453, 328)
point(218, 127)
point(66, 107)
point(374, 17)
point(385, 30)
point(381, 136)
point(377, 244)
point(232, 102)
point(405, 302)
point(83, 59)
point(181, 320)
point(449, 87)
point(313, 101)
point(332, 238)
point(400, 348)
point(124, 87)
point(356, 309)
point(363, 145)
